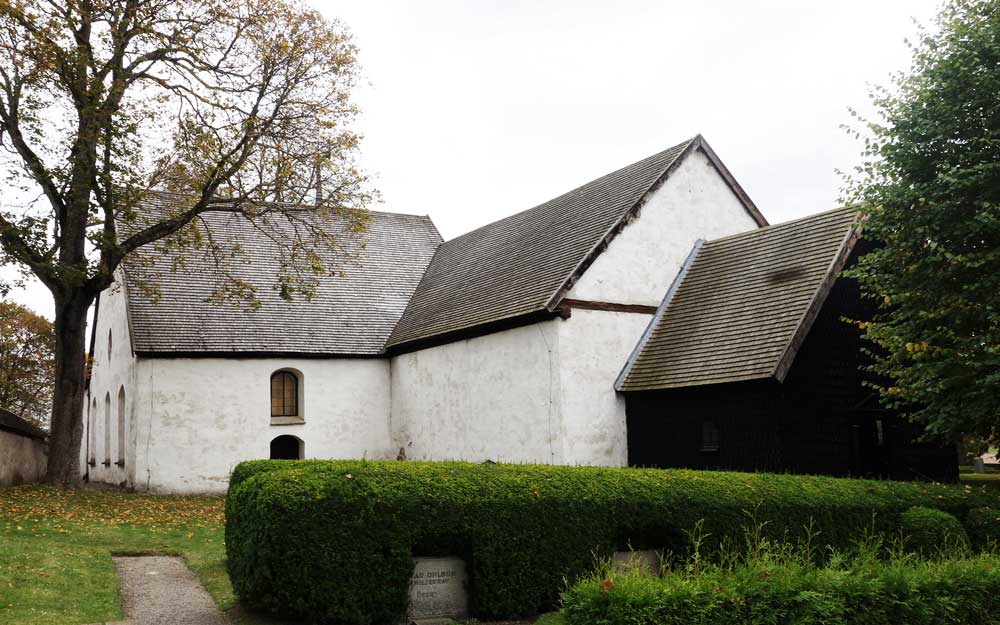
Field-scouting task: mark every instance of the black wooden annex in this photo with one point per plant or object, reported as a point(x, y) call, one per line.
point(809, 412)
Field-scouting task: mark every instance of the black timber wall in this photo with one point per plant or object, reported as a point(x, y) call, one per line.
point(821, 419)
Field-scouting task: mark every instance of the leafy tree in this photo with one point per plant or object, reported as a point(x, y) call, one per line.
point(931, 187)
point(27, 356)
point(239, 106)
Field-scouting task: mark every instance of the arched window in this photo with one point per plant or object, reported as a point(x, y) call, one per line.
point(109, 344)
point(107, 429)
point(284, 394)
point(121, 427)
point(287, 447)
point(710, 436)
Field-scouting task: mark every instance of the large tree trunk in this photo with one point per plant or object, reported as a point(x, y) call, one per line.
point(67, 397)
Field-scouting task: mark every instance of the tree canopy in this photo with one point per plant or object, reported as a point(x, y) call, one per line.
point(235, 106)
point(233, 103)
point(27, 344)
point(930, 191)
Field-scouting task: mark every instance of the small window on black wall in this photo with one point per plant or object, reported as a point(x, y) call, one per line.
point(710, 437)
point(284, 394)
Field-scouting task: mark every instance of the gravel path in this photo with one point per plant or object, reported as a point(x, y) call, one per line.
point(160, 590)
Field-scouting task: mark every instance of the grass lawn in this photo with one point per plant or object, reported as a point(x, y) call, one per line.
point(56, 547)
point(990, 479)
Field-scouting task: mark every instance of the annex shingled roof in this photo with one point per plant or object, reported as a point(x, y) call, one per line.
point(13, 423)
point(351, 313)
point(522, 264)
point(742, 305)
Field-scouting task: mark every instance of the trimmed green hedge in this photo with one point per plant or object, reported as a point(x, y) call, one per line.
point(983, 527)
point(927, 531)
point(905, 591)
point(334, 540)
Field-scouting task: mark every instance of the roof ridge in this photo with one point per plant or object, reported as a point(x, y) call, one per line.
point(178, 194)
point(683, 145)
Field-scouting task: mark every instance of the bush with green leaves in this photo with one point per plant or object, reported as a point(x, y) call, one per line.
point(927, 531)
point(929, 187)
point(983, 527)
point(335, 540)
point(780, 586)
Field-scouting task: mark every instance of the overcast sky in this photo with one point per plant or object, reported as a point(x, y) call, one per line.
point(475, 110)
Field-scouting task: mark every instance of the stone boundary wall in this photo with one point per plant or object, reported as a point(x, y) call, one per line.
point(23, 458)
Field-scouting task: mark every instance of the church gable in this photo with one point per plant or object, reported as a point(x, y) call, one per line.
point(695, 201)
point(522, 267)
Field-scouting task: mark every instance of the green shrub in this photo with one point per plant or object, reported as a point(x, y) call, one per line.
point(904, 591)
point(335, 540)
point(927, 531)
point(983, 527)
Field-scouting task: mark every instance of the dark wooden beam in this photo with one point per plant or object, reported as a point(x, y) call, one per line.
point(476, 331)
point(585, 304)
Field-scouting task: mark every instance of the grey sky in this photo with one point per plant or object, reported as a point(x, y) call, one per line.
point(479, 109)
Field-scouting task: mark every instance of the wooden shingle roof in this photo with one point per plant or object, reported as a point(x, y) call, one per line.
point(399, 287)
point(742, 305)
point(351, 313)
point(525, 263)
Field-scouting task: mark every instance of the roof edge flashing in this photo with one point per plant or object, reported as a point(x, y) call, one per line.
point(819, 298)
point(735, 186)
point(627, 218)
point(660, 311)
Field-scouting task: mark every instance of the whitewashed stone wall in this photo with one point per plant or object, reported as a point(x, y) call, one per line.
point(190, 421)
point(112, 373)
point(493, 397)
point(637, 268)
point(594, 345)
point(545, 393)
point(541, 393)
point(199, 417)
point(23, 459)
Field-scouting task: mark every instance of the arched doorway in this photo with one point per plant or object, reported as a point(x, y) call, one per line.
point(287, 447)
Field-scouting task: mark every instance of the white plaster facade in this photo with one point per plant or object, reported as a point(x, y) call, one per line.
point(694, 203)
point(189, 421)
point(594, 344)
point(492, 397)
point(544, 393)
point(107, 453)
point(199, 417)
point(537, 394)
point(540, 393)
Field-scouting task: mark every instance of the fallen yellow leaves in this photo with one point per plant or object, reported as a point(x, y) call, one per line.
point(84, 507)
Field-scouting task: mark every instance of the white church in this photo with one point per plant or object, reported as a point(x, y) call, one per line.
point(503, 344)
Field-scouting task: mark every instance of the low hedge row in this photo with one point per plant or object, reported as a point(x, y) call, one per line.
point(983, 527)
point(335, 540)
point(926, 531)
point(907, 591)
